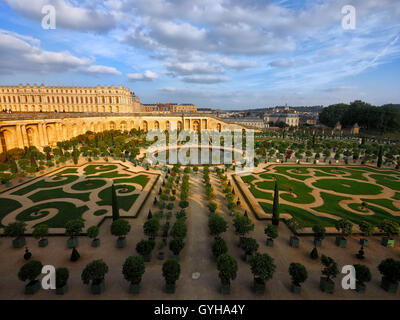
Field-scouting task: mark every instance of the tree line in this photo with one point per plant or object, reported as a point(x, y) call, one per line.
point(383, 119)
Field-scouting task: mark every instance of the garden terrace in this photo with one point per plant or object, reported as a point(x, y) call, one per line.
point(324, 194)
point(76, 192)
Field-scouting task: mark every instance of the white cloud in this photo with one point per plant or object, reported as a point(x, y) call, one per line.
point(21, 54)
point(146, 76)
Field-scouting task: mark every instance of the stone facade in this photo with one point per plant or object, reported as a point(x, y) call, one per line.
point(42, 116)
point(68, 99)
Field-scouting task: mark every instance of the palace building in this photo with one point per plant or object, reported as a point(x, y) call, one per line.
point(40, 116)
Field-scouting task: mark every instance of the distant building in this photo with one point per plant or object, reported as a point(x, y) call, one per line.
point(169, 107)
point(251, 122)
point(282, 115)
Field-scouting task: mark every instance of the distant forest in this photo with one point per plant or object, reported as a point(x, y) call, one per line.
point(383, 119)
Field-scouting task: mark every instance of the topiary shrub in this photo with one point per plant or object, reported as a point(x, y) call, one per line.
point(314, 254)
point(74, 255)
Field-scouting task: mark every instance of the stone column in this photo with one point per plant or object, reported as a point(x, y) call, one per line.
point(20, 140)
point(24, 135)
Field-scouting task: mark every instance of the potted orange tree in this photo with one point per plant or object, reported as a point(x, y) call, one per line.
point(319, 234)
point(391, 229)
point(263, 268)
point(120, 228)
point(30, 271)
point(17, 231)
point(144, 248)
point(346, 228)
point(249, 246)
point(299, 274)
point(219, 247)
point(40, 232)
point(272, 233)
point(367, 230)
point(295, 226)
point(72, 229)
point(94, 273)
point(62, 276)
point(330, 270)
point(92, 233)
point(363, 274)
point(390, 270)
point(227, 267)
point(133, 270)
point(243, 226)
point(171, 270)
point(176, 246)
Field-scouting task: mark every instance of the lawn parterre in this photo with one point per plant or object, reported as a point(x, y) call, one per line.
point(323, 194)
point(71, 193)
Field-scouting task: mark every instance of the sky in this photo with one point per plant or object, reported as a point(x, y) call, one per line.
point(227, 54)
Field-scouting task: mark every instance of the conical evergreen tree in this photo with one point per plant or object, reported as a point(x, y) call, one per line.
point(114, 204)
point(314, 254)
point(275, 206)
point(380, 155)
point(74, 255)
point(150, 215)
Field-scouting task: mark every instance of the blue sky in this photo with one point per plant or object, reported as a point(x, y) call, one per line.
point(213, 53)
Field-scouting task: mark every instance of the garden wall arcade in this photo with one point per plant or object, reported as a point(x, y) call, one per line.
point(43, 132)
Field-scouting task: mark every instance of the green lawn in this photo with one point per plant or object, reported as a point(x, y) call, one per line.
point(140, 179)
point(41, 184)
point(57, 194)
point(302, 174)
point(305, 218)
point(67, 211)
point(124, 202)
point(383, 202)
point(248, 179)
point(300, 193)
point(387, 181)
point(67, 171)
point(88, 185)
point(7, 206)
point(112, 174)
point(347, 186)
point(94, 168)
point(331, 206)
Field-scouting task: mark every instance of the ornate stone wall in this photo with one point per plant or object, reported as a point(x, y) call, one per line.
point(24, 130)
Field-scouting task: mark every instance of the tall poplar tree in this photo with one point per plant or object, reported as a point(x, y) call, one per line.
point(114, 204)
point(275, 206)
